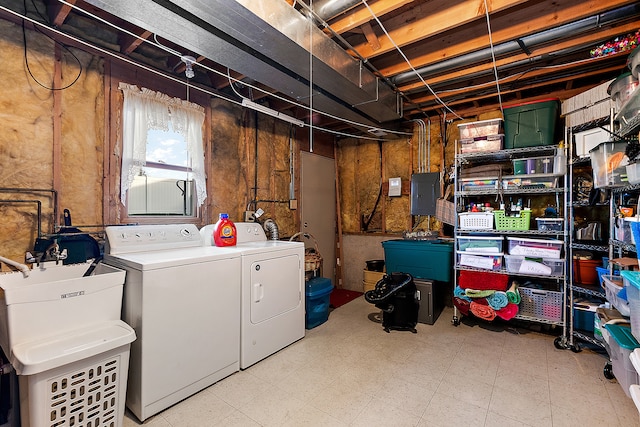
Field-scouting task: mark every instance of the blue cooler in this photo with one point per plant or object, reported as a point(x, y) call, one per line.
point(317, 293)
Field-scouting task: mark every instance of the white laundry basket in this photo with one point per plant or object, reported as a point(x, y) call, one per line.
point(86, 386)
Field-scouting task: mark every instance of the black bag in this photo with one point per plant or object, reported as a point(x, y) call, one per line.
point(396, 296)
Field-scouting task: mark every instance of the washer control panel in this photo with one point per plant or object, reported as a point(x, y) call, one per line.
point(143, 238)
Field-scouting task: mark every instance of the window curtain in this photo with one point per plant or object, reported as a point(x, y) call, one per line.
point(145, 109)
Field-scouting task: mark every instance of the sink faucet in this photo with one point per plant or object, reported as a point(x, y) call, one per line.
point(53, 252)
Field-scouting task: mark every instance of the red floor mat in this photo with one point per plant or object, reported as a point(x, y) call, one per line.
point(340, 297)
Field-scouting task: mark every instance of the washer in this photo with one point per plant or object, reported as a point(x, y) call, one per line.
point(183, 301)
point(272, 306)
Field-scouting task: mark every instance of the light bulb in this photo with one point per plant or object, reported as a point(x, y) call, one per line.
point(188, 61)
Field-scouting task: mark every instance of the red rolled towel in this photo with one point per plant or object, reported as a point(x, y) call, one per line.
point(482, 281)
point(508, 312)
point(462, 305)
point(482, 311)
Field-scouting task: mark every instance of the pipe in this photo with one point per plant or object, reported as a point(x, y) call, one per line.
point(22, 267)
point(271, 227)
point(547, 36)
point(328, 9)
point(39, 190)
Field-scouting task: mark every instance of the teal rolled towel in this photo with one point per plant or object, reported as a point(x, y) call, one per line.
point(498, 300)
point(458, 292)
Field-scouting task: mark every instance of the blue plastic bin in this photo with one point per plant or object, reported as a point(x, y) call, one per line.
point(423, 259)
point(317, 293)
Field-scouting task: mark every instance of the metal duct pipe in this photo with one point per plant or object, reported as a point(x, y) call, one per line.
point(271, 227)
point(567, 30)
point(328, 9)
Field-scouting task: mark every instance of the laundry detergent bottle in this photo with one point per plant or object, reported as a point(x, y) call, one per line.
point(224, 231)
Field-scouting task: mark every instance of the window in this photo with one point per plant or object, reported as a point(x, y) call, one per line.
point(162, 154)
point(165, 185)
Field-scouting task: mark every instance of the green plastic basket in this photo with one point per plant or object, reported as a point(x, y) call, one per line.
point(512, 222)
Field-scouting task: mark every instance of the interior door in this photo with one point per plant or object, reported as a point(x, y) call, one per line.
point(318, 207)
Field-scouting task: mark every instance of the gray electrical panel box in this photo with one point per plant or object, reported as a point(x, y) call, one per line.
point(425, 190)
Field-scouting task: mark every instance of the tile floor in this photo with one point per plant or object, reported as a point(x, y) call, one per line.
point(349, 372)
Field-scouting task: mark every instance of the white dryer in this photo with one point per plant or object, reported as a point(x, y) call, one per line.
point(183, 301)
point(272, 305)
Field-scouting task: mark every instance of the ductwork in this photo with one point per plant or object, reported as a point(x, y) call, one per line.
point(548, 36)
point(271, 43)
point(329, 9)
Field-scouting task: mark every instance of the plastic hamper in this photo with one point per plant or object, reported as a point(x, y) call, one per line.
point(78, 377)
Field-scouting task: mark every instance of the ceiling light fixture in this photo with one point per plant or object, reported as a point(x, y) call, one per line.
point(188, 61)
point(273, 113)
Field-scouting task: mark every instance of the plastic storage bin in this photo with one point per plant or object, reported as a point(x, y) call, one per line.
point(482, 145)
point(317, 293)
point(622, 88)
point(480, 260)
point(533, 165)
point(480, 129)
point(631, 280)
point(423, 259)
point(609, 162)
point(550, 224)
point(534, 266)
point(540, 248)
point(530, 124)
point(480, 244)
point(633, 173)
point(520, 222)
point(621, 344)
point(541, 304)
point(613, 286)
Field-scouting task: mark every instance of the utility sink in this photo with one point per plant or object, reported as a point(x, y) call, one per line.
point(56, 300)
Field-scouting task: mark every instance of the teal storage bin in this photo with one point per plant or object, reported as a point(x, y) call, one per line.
point(317, 293)
point(530, 124)
point(423, 259)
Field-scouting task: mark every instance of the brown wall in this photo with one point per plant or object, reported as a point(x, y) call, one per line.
point(66, 143)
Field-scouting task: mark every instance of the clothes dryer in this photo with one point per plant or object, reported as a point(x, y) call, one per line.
point(272, 308)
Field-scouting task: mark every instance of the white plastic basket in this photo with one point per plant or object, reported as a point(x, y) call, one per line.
point(476, 220)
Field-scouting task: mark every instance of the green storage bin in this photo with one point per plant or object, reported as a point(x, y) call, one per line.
point(423, 259)
point(530, 124)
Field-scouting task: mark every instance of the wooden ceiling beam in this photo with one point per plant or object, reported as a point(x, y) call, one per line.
point(58, 12)
point(525, 21)
point(129, 43)
point(360, 15)
point(429, 19)
point(590, 39)
point(371, 36)
point(453, 103)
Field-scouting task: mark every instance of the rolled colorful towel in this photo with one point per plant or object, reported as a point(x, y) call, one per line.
point(458, 292)
point(483, 280)
point(508, 312)
point(478, 293)
point(513, 294)
point(462, 305)
point(482, 311)
point(498, 300)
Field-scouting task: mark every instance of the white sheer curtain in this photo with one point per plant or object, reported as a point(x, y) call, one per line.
point(145, 109)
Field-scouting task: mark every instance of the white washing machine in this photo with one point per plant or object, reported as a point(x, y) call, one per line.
point(183, 300)
point(272, 292)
